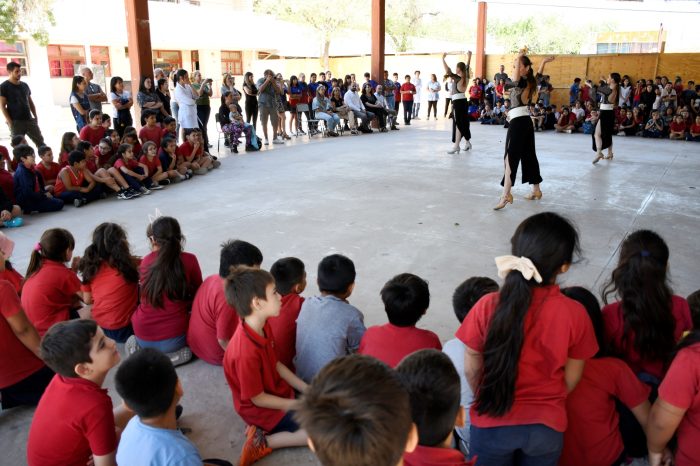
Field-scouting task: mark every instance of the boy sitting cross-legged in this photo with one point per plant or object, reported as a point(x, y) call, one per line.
point(262, 387)
point(406, 299)
point(75, 421)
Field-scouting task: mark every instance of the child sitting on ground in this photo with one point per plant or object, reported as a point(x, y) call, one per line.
point(192, 152)
point(93, 131)
point(262, 387)
point(152, 131)
point(106, 154)
point(171, 163)
point(433, 387)
point(130, 137)
point(213, 320)
point(654, 127)
point(16, 140)
point(75, 422)
point(69, 141)
point(169, 129)
point(357, 411)
point(30, 192)
point(135, 173)
point(694, 130)
point(47, 167)
point(290, 279)
point(149, 385)
point(149, 159)
point(110, 178)
point(406, 299)
point(75, 183)
point(328, 326)
point(677, 128)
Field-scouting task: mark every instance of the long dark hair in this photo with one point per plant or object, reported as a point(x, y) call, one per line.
point(549, 241)
point(144, 89)
point(166, 276)
point(113, 83)
point(640, 281)
point(76, 80)
point(65, 140)
point(109, 244)
point(52, 246)
point(179, 74)
point(529, 77)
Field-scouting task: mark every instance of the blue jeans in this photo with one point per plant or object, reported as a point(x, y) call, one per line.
point(526, 445)
point(169, 345)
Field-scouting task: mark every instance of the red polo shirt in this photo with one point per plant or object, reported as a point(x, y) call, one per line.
point(14, 277)
point(185, 150)
point(390, 343)
point(73, 420)
point(152, 164)
point(92, 135)
point(131, 164)
point(435, 456)
point(50, 294)
point(17, 362)
point(407, 87)
point(49, 173)
point(284, 328)
point(250, 367)
point(557, 329)
point(212, 319)
point(114, 298)
point(151, 133)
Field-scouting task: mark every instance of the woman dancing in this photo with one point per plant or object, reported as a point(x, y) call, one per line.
point(460, 121)
point(520, 140)
point(602, 136)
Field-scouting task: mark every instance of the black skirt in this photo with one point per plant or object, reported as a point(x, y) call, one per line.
point(460, 119)
point(607, 126)
point(520, 147)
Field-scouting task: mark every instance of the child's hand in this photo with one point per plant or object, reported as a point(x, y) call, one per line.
point(5, 215)
point(75, 263)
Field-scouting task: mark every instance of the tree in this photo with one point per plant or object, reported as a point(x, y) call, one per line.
point(408, 23)
point(26, 17)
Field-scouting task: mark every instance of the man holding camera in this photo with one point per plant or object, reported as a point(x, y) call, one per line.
point(267, 91)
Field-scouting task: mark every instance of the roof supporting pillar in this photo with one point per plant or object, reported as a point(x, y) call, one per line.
point(378, 30)
point(140, 56)
point(480, 64)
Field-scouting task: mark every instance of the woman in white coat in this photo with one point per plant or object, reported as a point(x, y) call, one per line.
point(186, 98)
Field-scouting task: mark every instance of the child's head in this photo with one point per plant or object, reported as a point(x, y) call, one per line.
point(125, 151)
point(149, 149)
point(237, 252)
point(55, 244)
point(290, 275)
point(434, 389)
point(95, 117)
point(336, 275)
point(469, 292)
point(357, 411)
point(192, 135)
point(694, 303)
point(45, 154)
point(109, 246)
point(130, 137)
point(166, 276)
point(150, 118)
point(106, 121)
point(590, 302)
point(406, 298)
point(170, 124)
point(407, 78)
point(25, 155)
point(69, 141)
point(79, 348)
point(114, 137)
point(168, 144)
point(86, 148)
point(148, 383)
point(251, 290)
point(76, 158)
point(18, 140)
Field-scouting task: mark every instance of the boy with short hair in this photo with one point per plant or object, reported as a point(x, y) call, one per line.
point(75, 183)
point(152, 131)
point(290, 279)
point(169, 128)
point(262, 387)
point(171, 162)
point(149, 385)
point(30, 192)
point(433, 387)
point(407, 92)
point(358, 412)
point(192, 152)
point(93, 131)
point(406, 299)
point(328, 326)
point(47, 167)
point(75, 421)
point(213, 320)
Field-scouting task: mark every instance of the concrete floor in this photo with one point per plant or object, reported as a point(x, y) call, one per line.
point(393, 203)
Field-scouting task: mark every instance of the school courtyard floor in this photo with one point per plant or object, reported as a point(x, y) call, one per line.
point(393, 203)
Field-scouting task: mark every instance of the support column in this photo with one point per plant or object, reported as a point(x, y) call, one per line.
point(480, 62)
point(378, 31)
point(138, 31)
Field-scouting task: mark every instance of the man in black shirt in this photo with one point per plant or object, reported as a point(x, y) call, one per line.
point(18, 107)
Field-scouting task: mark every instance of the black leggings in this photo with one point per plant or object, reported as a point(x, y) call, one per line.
point(447, 106)
point(432, 104)
point(203, 112)
point(251, 112)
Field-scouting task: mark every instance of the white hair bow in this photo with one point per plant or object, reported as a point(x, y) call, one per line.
point(522, 264)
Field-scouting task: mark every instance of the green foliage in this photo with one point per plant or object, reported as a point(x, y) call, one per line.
point(20, 18)
point(405, 19)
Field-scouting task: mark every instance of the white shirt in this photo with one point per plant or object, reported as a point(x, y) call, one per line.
point(579, 112)
point(186, 98)
point(434, 94)
point(418, 83)
point(352, 100)
point(454, 349)
point(114, 96)
point(381, 101)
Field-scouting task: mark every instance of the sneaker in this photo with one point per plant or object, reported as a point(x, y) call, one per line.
point(177, 179)
point(255, 447)
point(14, 223)
point(78, 202)
point(346, 127)
point(394, 128)
point(353, 131)
point(123, 195)
point(216, 164)
point(415, 118)
point(189, 170)
point(133, 193)
point(277, 141)
point(131, 346)
point(180, 356)
point(214, 157)
point(144, 190)
point(188, 175)
point(156, 187)
point(267, 143)
point(164, 182)
point(201, 171)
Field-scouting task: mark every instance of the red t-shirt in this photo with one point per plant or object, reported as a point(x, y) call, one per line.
point(212, 319)
point(49, 173)
point(680, 389)
point(92, 135)
point(152, 164)
point(7, 184)
point(391, 344)
point(556, 329)
point(154, 134)
point(407, 87)
point(164, 132)
point(250, 367)
point(91, 164)
point(678, 127)
point(5, 154)
point(114, 298)
point(63, 159)
point(170, 321)
point(73, 421)
point(435, 456)
point(131, 164)
point(593, 435)
point(76, 179)
point(185, 150)
point(17, 362)
point(615, 331)
point(50, 294)
point(14, 277)
point(284, 328)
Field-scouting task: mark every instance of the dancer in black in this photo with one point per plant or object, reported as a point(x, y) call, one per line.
point(607, 94)
point(520, 140)
point(460, 106)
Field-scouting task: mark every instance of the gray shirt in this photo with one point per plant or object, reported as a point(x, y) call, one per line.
point(327, 328)
point(266, 97)
point(94, 89)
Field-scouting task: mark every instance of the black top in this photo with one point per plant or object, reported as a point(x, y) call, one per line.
point(371, 99)
point(17, 96)
point(253, 90)
point(223, 115)
point(166, 101)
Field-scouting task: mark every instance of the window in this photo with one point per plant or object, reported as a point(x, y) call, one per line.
point(194, 56)
point(64, 58)
point(232, 62)
point(168, 60)
point(100, 56)
point(13, 52)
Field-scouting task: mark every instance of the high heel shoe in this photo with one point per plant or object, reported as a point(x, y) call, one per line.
point(598, 157)
point(467, 147)
point(609, 156)
point(535, 195)
point(503, 201)
point(454, 151)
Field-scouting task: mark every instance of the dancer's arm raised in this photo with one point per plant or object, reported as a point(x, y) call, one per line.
point(544, 62)
point(448, 70)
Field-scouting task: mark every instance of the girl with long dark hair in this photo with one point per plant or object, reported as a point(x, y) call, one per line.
point(520, 140)
point(526, 348)
point(79, 102)
point(148, 99)
point(608, 93)
point(122, 101)
point(460, 107)
point(251, 99)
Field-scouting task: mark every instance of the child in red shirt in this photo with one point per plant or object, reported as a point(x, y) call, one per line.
point(172, 164)
point(677, 128)
point(7, 271)
point(694, 131)
point(262, 387)
point(407, 91)
point(94, 131)
point(47, 167)
point(75, 183)
point(149, 158)
point(192, 153)
point(75, 423)
point(152, 131)
point(406, 299)
point(69, 141)
point(523, 408)
point(130, 137)
point(290, 279)
point(51, 290)
point(110, 178)
point(213, 320)
point(169, 128)
point(105, 153)
point(135, 173)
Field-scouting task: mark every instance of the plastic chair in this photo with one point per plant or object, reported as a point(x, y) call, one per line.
point(219, 130)
point(313, 126)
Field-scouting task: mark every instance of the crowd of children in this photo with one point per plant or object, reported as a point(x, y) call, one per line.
point(536, 374)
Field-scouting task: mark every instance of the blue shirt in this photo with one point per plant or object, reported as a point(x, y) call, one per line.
point(574, 89)
point(143, 445)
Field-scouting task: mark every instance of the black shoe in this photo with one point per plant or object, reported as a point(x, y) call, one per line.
point(164, 182)
point(394, 128)
point(408, 123)
point(234, 149)
point(226, 143)
point(346, 127)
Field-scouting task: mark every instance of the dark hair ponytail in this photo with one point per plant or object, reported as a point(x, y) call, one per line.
point(529, 78)
point(166, 276)
point(549, 241)
point(109, 244)
point(52, 246)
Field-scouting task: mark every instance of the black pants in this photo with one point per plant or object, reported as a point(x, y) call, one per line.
point(432, 104)
point(397, 103)
point(203, 112)
point(447, 106)
point(251, 112)
point(407, 111)
point(27, 391)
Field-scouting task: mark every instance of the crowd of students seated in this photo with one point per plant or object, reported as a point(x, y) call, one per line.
point(616, 383)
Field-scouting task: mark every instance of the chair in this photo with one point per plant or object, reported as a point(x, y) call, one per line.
point(312, 125)
point(219, 130)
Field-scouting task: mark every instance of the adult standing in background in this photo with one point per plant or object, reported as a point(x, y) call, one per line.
point(501, 75)
point(186, 98)
point(229, 84)
point(251, 100)
point(163, 91)
point(418, 82)
point(174, 106)
point(389, 88)
point(267, 95)
point(448, 94)
point(204, 92)
point(18, 107)
point(460, 108)
point(433, 88)
point(158, 74)
point(147, 98)
point(93, 90)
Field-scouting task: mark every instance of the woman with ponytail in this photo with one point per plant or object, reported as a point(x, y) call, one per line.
point(460, 122)
point(605, 126)
point(170, 278)
point(526, 347)
point(520, 140)
point(51, 291)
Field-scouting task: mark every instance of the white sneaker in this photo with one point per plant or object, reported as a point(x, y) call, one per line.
point(180, 356)
point(267, 143)
point(131, 346)
point(277, 141)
